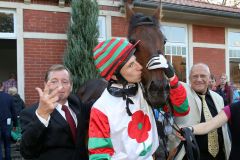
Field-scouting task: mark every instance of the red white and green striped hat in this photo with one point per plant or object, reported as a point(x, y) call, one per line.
point(110, 54)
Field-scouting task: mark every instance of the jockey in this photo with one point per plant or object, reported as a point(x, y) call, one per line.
point(122, 124)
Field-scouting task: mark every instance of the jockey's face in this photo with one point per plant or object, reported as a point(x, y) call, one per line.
point(132, 70)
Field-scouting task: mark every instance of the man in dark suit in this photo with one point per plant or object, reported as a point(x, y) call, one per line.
point(7, 114)
point(56, 127)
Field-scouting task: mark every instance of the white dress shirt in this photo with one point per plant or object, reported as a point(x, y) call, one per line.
point(59, 109)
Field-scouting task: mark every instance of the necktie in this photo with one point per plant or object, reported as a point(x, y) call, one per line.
point(213, 146)
point(70, 121)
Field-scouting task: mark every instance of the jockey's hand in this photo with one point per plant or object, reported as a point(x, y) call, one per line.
point(160, 62)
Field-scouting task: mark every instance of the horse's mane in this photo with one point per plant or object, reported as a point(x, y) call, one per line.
point(141, 19)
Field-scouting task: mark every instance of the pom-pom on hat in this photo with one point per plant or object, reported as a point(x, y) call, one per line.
point(109, 55)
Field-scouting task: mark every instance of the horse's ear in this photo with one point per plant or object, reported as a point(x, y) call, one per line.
point(157, 13)
point(129, 11)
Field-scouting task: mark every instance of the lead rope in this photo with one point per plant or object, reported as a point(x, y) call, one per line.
point(160, 126)
point(190, 144)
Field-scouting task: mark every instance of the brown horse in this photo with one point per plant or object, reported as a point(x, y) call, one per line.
point(146, 29)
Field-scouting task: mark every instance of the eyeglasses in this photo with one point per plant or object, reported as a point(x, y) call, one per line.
point(201, 76)
point(55, 83)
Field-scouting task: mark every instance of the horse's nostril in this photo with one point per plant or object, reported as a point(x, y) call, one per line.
point(155, 86)
point(158, 89)
point(153, 90)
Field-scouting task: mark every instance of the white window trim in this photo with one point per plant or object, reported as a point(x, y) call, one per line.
point(102, 28)
point(9, 35)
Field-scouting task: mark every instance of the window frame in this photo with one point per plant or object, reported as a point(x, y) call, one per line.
point(186, 55)
point(102, 28)
point(10, 35)
point(233, 59)
point(233, 47)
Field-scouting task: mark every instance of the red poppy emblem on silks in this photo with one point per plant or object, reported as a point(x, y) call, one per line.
point(139, 126)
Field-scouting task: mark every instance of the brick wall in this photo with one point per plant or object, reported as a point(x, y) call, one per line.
point(214, 58)
point(208, 34)
point(119, 27)
point(44, 21)
point(39, 55)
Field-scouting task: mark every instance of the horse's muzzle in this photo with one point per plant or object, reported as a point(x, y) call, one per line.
point(158, 93)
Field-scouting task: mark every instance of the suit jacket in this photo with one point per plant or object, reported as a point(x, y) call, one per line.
point(194, 116)
point(55, 141)
point(7, 108)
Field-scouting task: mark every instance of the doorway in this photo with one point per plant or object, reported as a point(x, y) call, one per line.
point(8, 58)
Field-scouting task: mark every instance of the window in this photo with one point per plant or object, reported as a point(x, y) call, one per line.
point(234, 57)
point(176, 40)
point(7, 24)
point(102, 28)
point(234, 44)
point(176, 48)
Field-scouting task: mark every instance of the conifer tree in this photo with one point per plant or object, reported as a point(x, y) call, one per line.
point(82, 38)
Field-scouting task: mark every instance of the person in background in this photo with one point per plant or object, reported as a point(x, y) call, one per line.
point(55, 127)
point(235, 93)
point(229, 114)
point(225, 90)
point(11, 82)
point(212, 84)
point(204, 104)
point(19, 104)
point(7, 117)
point(122, 124)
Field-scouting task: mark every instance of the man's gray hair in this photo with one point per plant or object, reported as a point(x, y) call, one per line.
point(12, 91)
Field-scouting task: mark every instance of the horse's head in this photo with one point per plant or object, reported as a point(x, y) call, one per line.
point(147, 30)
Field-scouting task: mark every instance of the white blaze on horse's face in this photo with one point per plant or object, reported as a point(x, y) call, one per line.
point(132, 70)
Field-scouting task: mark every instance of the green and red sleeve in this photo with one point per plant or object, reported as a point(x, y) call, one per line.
point(99, 144)
point(178, 98)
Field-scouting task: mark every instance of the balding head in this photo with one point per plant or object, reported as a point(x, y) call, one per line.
point(200, 65)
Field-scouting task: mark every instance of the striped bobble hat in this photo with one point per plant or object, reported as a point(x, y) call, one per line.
point(110, 54)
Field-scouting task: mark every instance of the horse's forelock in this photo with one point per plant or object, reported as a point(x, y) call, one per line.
point(140, 19)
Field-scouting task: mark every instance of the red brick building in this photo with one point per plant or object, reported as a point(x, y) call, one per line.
point(196, 32)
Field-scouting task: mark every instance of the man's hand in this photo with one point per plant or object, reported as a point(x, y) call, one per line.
point(47, 101)
point(179, 135)
point(160, 62)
